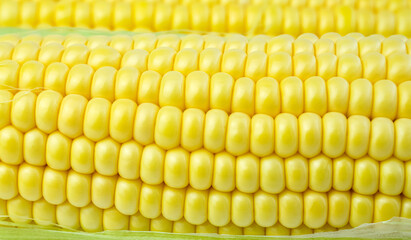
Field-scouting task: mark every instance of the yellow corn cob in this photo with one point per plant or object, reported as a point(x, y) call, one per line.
point(109, 133)
point(262, 17)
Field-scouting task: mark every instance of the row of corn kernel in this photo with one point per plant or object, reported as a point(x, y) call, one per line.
point(366, 4)
point(354, 43)
point(373, 66)
point(220, 91)
point(91, 219)
point(242, 18)
point(169, 127)
point(289, 209)
point(201, 170)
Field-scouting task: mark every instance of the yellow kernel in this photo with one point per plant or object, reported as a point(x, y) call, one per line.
point(304, 65)
point(346, 45)
point(343, 173)
point(161, 60)
point(103, 190)
point(292, 96)
point(219, 208)
point(233, 62)
point(398, 67)
point(8, 181)
point(79, 80)
point(25, 51)
point(238, 134)
point(135, 59)
point(139, 223)
point(215, 125)
point(91, 218)
point(286, 135)
point(23, 109)
point(404, 100)
point(391, 177)
point(186, 61)
point(302, 45)
point(358, 133)
point(121, 43)
point(310, 134)
point(315, 209)
point(192, 129)
point(320, 174)
point(349, 67)
point(5, 107)
point(126, 83)
point(339, 208)
point(405, 207)
point(381, 138)
point(150, 200)
point(362, 209)
point(197, 90)
point(290, 209)
point(29, 181)
point(195, 206)
point(127, 195)
point(103, 83)
point(182, 226)
point(201, 168)
point(176, 168)
point(262, 135)
point(44, 213)
point(277, 230)
point(296, 173)
point(256, 65)
point(172, 206)
point(82, 155)
point(254, 229)
point(407, 183)
point(34, 147)
point(386, 207)
point(168, 127)
point(267, 96)
point(327, 65)
point(230, 229)
point(74, 54)
point(315, 96)
point(210, 59)
point(50, 53)
point(171, 91)
point(385, 99)
point(96, 119)
point(279, 65)
point(78, 189)
point(122, 119)
point(152, 164)
point(334, 134)
point(272, 174)
point(242, 208)
point(206, 228)
point(224, 172)
point(145, 41)
point(55, 77)
point(160, 224)
point(366, 176)
point(221, 88)
point(324, 46)
point(374, 65)
point(266, 208)
point(104, 56)
point(402, 139)
point(31, 75)
point(19, 210)
point(54, 185)
point(193, 41)
point(369, 44)
point(361, 98)
point(106, 157)
point(114, 220)
point(144, 123)
point(129, 160)
point(11, 145)
point(68, 216)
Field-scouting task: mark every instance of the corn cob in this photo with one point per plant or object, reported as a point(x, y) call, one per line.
point(166, 151)
point(384, 17)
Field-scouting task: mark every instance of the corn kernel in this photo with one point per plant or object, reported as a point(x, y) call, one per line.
point(334, 134)
point(238, 134)
point(381, 138)
point(201, 169)
point(19, 210)
point(5, 107)
point(29, 181)
point(279, 65)
point(68, 216)
point(182, 226)
point(343, 173)
point(44, 213)
point(145, 122)
point(55, 77)
point(54, 186)
point(361, 98)
point(8, 181)
point(186, 61)
point(197, 90)
point(82, 154)
point(385, 99)
point(292, 96)
point(114, 220)
point(233, 62)
point(150, 200)
point(135, 60)
point(103, 83)
point(219, 208)
point(402, 139)
point(339, 208)
point(386, 207)
point(362, 209)
point(266, 209)
point(338, 95)
point(272, 179)
point(206, 228)
point(78, 189)
point(106, 157)
point(152, 164)
point(91, 218)
point(277, 230)
point(310, 134)
point(127, 195)
point(31, 75)
point(192, 129)
point(103, 190)
point(139, 223)
point(96, 119)
point(195, 206)
point(74, 53)
point(23, 110)
point(34, 147)
point(391, 177)
point(286, 135)
point(404, 103)
point(129, 160)
point(290, 209)
point(366, 176)
point(210, 59)
point(267, 96)
point(172, 206)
